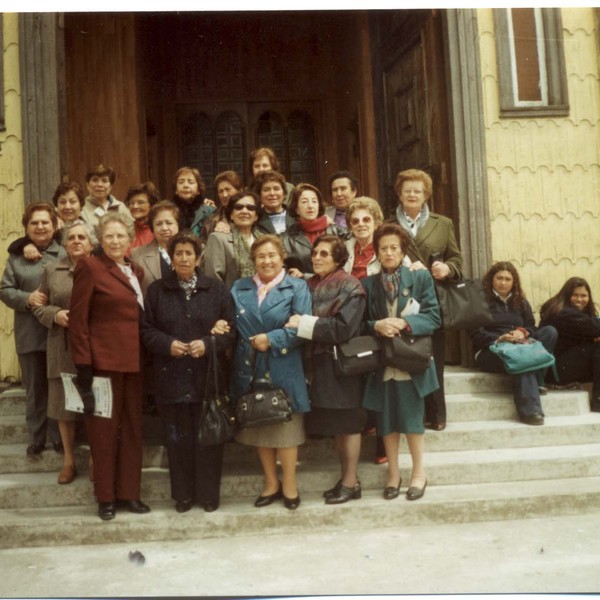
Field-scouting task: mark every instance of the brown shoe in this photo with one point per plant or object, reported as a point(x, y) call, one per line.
point(67, 474)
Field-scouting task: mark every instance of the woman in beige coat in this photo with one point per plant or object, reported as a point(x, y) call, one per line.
point(57, 284)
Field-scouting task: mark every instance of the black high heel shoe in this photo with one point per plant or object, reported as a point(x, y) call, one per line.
point(414, 492)
point(344, 494)
point(266, 500)
point(334, 490)
point(390, 492)
point(291, 503)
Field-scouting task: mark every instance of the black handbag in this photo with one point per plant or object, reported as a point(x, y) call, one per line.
point(407, 352)
point(359, 355)
point(264, 404)
point(463, 304)
point(217, 420)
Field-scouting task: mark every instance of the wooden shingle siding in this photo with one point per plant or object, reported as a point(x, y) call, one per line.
point(544, 174)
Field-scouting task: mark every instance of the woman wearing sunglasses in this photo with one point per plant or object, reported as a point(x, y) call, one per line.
point(227, 255)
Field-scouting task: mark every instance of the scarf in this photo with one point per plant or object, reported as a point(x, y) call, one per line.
point(188, 285)
point(241, 253)
point(262, 289)
point(313, 229)
point(412, 226)
point(391, 284)
point(187, 210)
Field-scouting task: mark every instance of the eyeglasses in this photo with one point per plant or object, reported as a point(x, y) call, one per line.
point(249, 207)
point(357, 220)
point(320, 253)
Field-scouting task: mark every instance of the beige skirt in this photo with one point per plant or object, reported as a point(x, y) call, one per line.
point(278, 435)
point(56, 402)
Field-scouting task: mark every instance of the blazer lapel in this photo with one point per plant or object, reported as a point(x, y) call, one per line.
point(152, 261)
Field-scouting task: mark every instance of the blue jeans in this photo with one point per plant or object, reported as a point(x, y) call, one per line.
point(526, 393)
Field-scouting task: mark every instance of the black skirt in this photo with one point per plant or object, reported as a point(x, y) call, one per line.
point(335, 421)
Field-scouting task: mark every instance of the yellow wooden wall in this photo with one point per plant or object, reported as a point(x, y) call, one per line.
point(11, 182)
point(544, 174)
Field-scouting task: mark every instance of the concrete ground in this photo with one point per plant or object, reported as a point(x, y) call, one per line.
point(558, 554)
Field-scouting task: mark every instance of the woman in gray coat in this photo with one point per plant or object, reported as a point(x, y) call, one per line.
point(19, 291)
point(57, 285)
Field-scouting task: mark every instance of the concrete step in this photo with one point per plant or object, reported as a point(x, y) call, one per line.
point(71, 525)
point(491, 406)
point(12, 402)
point(13, 429)
point(29, 490)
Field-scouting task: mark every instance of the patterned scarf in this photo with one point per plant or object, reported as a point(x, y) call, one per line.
point(262, 289)
point(241, 252)
point(412, 226)
point(391, 284)
point(188, 285)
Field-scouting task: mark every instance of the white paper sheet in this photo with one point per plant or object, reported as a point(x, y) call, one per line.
point(102, 392)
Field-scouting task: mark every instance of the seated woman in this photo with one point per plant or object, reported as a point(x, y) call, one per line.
point(513, 323)
point(338, 302)
point(227, 255)
point(139, 200)
point(189, 199)
point(397, 396)
point(263, 305)
point(227, 183)
point(363, 217)
point(308, 208)
point(153, 257)
point(181, 312)
point(57, 284)
point(574, 315)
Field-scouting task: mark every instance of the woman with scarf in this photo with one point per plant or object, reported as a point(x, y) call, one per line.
point(308, 208)
point(338, 302)
point(432, 246)
point(400, 300)
point(227, 255)
point(189, 199)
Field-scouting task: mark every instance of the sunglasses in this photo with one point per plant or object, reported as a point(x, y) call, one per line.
point(249, 207)
point(321, 253)
point(357, 220)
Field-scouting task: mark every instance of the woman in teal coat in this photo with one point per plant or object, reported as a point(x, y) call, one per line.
point(400, 300)
point(263, 305)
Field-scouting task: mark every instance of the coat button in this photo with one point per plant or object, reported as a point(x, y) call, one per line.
point(242, 311)
point(284, 351)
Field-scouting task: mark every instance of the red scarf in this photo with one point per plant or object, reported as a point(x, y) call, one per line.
point(313, 229)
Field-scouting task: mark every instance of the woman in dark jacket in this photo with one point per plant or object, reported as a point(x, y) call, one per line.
point(338, 302)
point(514, 323)
point(573, 313)
point(308, 208)
point(189, 199)
point(181, 313)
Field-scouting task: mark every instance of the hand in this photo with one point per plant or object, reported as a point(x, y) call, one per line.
point(222, 227)
point(417, 266)
point(220, 327)
point(293, 272)
point(62, 318)
point(196, 348)
point(210, 202)
point(83, 382)
point(260, 342)
point(30, 252)
point(293, 322)
point(179, 349)
point(440, 270)
point(36, 298)
point(390, 327)
point(513, 337)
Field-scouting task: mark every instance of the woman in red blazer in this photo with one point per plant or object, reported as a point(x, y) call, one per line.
point(104, 333)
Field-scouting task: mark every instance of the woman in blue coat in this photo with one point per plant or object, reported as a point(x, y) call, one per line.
point(400, 300)
point(263, 305)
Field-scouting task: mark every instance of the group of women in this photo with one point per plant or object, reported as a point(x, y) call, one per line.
point(263, 280)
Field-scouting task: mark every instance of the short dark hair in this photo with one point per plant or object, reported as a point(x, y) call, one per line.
point(339, 252)
point(344, 175)
point(159, 207)
point(391, 229)
point(147, 188)
point(302, 187)
point(265, 177)
point(228, 210)
point(184, 237)
point(45, 206)
point(101, 171)
point(64, 188)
